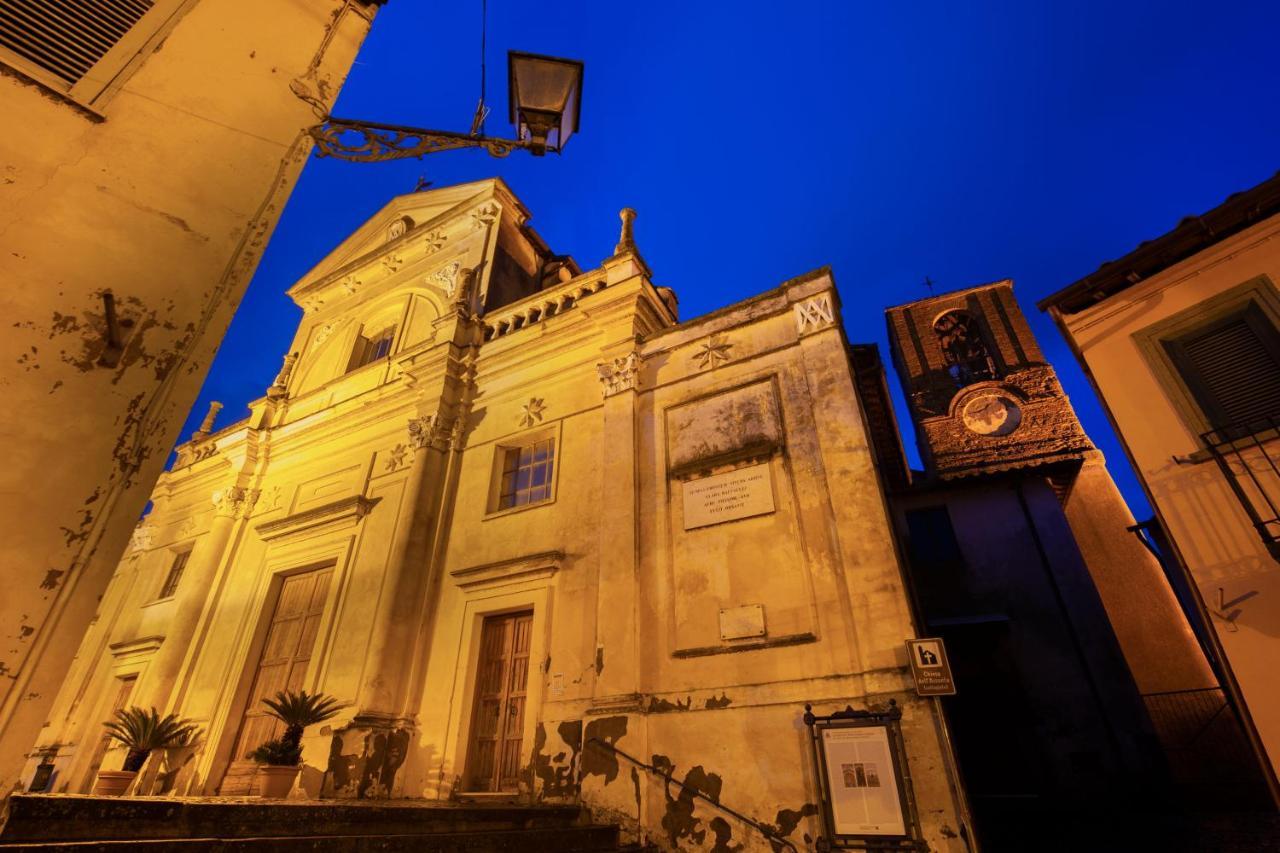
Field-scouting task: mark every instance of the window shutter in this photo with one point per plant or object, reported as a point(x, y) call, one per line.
point(1233, 369)
point(66, 39)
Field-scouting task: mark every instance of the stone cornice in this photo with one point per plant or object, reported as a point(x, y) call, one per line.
point(529, 567)
point(349, 510)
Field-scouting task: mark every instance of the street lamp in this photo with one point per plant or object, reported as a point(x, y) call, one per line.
point(545, 97)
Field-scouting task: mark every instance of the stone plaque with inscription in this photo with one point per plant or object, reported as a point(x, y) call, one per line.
point(741, 493)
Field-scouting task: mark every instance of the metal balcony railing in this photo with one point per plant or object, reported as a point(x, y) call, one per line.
point(1248, 454)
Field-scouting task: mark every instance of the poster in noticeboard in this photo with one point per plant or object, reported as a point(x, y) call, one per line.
point(861, 761)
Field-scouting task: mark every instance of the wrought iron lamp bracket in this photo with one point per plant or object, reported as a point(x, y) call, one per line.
point(374, 143)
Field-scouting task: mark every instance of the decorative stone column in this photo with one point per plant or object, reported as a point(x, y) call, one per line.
point(617, 590)
point(230, 505)
point(365, 755)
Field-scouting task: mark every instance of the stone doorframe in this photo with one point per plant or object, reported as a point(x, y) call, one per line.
point(292, 554)
point(512, 586)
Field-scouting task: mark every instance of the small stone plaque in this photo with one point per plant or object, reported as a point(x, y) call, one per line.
point(741, 493)
point(741, 623)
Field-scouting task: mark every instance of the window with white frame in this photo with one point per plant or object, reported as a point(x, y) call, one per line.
point(78, 48)
point(526, 473)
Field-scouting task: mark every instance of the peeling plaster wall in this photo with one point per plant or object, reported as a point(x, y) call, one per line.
point(166, 200)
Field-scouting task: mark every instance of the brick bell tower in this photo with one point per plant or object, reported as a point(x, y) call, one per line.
point(982, 396)
point(1033, 508)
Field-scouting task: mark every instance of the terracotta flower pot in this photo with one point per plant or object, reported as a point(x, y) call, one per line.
point(113, 783)
point(276, 781)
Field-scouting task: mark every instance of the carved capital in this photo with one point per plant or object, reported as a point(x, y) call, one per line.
point(813, 314)
point(142, 537)
point(619, 374)
point(234, 502)
point(430, 431)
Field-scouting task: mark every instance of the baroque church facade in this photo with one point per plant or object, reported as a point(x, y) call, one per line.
point(527, 526)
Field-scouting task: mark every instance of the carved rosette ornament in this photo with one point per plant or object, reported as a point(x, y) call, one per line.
point(392, 262)
point(429, 431)
point(484, 216)
point(713, 350)
point(434, 241)
point(813, 314)
point(350, 284)
point(531, 412)
point(619, 374)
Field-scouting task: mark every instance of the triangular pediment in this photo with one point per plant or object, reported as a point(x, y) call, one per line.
point(415, 210)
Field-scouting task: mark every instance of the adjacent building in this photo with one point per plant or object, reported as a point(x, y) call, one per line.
point(530, 528)
point(1181, 340)
point(151, 147)
point(1081, 682)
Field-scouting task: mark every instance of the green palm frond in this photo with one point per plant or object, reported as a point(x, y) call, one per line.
point(299, 709)
point(145, 730)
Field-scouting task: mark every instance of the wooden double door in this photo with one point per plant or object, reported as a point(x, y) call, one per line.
point(497, 723)
point(282, 665)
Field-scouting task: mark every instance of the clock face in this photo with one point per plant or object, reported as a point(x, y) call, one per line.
point(991, 414)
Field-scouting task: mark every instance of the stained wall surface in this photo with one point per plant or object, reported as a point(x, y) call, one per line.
point(162, 190)
point(681, 620)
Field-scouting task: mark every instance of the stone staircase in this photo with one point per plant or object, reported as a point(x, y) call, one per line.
point(67, 822)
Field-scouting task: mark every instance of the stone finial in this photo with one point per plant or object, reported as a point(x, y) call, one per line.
point(280, 385)
point(206, 426)
point(626, 240)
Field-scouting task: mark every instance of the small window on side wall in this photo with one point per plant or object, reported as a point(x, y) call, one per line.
point(526, 474)
point(371, 348)
point(1231, 366)
point(174, 577)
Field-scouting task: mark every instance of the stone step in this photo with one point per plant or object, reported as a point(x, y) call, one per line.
point(71, 817)
point(569, 839)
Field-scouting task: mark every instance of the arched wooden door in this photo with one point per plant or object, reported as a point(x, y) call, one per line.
point(497, 724)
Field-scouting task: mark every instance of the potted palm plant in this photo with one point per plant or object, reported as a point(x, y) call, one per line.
point(281, 758)
point(140, 731)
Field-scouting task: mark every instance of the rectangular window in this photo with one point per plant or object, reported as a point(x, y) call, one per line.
point(175, 574)
point(526, 474)
point(1231, 366)
point(78, 48)
point(371, 348)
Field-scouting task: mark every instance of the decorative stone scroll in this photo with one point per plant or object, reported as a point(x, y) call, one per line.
point(814, 314)
point(447, 278)
point(619, 374)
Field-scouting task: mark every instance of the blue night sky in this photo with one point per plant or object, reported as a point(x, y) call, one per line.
point(966, 142)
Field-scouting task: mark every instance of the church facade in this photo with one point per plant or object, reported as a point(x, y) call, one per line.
point(536, 534)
